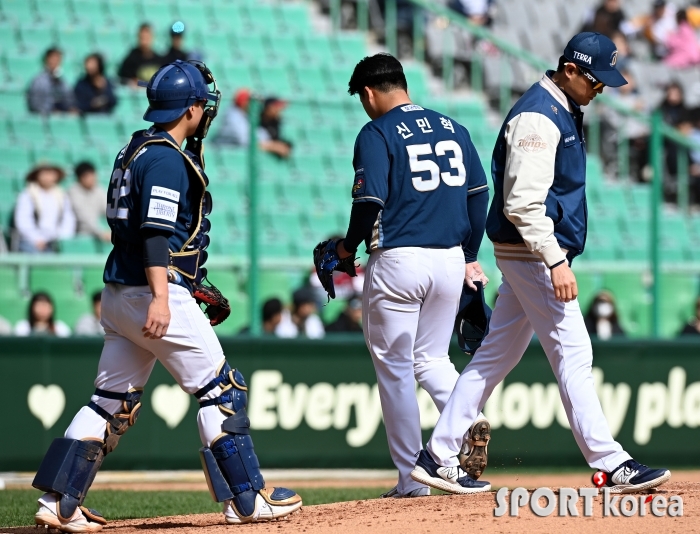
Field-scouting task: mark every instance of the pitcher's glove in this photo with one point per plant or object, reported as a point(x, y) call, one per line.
point(326, 261)
point(217, 306)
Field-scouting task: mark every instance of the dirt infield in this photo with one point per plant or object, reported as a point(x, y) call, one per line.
point(441, 514)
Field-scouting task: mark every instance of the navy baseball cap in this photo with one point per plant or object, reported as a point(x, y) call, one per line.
point(597, 54)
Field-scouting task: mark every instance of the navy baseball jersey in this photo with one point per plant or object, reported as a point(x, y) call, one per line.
point(419, 165)
point(153, 191)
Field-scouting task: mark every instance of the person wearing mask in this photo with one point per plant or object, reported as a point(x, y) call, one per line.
point(601, 320)
point(692, 327)
point(271, 317)
point(175, 51)
point(40, 319)
point(43, 212)
point(350, 320)
point(48, 92)
point(94, 93)
point(87, 198)
point(89, 324)
point(303, 320)
point(682, 44)
point(142, 62)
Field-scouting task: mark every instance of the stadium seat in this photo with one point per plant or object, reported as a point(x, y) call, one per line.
point(276, 80)
point(679, 292)
point(11, 281)
point(287, 49)
point(22, 68)
point(90, 13)
point(57, 281)
point(319, 50)
point(80, 245)
point(293, 18)
point(70, 308)
point(36, 39)
point(351, 48)
point(19, 11)
point(631, 292)
point(91, 280)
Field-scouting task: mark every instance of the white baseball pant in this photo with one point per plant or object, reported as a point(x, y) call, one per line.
point(410, 301)
point(526, 304)
point(190, 351)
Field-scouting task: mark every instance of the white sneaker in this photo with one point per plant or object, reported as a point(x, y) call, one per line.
point(82, 520)
point(270, 504)
point(393, 493)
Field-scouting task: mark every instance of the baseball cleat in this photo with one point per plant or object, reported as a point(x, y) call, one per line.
point(631, 476)
point(393, 493)
point(270, 504)
point(83, 520)
point(450, 479)
point(474, 454)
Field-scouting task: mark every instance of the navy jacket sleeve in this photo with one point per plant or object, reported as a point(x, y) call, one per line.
point(371, 163)
point(162, 190)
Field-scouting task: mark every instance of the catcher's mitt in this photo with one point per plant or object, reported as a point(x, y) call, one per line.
point(326, 261)
point(217, 306)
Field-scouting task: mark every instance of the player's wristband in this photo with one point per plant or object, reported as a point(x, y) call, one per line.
point(557, 264)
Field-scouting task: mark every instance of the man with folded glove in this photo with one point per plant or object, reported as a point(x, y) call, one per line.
point(419, 203)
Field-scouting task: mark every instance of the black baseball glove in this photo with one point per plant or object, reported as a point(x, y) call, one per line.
point(326, 261)
point(217, 306)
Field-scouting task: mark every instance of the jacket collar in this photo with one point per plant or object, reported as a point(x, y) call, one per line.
point(547, 83)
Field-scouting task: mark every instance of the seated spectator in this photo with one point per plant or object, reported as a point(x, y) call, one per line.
point(673, 107)
point(303, 319)
point(87, 198)
point(271, 126)
point(477, 11)
point(94, 92)
point(601, 320)
point(682, 46)
point(659, 25)
point(49, 93)
point(176, 51)
point(142, 62)
point(235, 129)
point(692, 327)
point(43, 213)
point(350, 320)
point(40, 319)
point(89, 324)
point(271, 317)
point(608, 19)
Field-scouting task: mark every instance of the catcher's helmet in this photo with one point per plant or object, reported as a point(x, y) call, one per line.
point(175, 87)
point(472, 318)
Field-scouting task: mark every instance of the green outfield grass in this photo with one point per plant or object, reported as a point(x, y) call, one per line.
point(17, 507)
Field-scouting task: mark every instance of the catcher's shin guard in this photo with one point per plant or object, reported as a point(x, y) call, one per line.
point(230, 465)
point(68, 470)
point(118, 423)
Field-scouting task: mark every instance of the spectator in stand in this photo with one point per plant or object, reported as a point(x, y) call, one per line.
point(89, 324)
point(43, 212)
point(87, 198)
point(477, 11)
point(271, 317)
point(94, 93)
point(608, 19)
point(601, 320)
point(350, 320)
point(235, 129)
point(49, 93)
point(40, 319)
point(142, 62)
point(659, 25)
point(683, 50)
point(303, 319)
point(270, 128)
point(673, 108)
point(176, 51)
point(692, 327)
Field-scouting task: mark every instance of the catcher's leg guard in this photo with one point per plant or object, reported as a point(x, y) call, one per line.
point(120, 422)
point(230, 465)
point(68, 469)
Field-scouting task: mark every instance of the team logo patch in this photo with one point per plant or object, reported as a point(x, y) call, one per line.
point(411, 107)
point(532, 143)
point(164, 192)
point(555, 110)
point(162, 209)
point(613, 59)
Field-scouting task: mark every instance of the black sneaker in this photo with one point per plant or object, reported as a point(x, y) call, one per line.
point(450, 479)
point(632, 476)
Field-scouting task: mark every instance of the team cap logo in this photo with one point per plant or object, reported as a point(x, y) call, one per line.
point(613, 59)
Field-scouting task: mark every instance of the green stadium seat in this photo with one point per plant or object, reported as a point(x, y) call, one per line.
point(276, 80)
point(112, 43)
point(20, 11)
point(260, 18)
point(9, 40)
point(230, 17)
point(338, 78)
point(300, 113)
point(70, 309)
point(310, 81)
point(10, 286)
point(76, 41)
point(277, 284)
point(12, 101)
point(126, 14)
point(57, 281)
point(239, 315)
point(64, 128)
point(29, 129)
point(92, 280)
point(14, 309)
point(17, 158)
point(351, 48)
point(679, 292)
point(293, 18)
point(252, 49)
point(22, 68)
point(91, 13)
point(309, 168)
point(54, 155)
point(319, 50)
point(286, 49)
point(159, 13)
point(57, 12)
point(295, 195)
point(37, 38)
point(416, 80)
point(588, 285)
point(80, 245)
point(99, 127)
